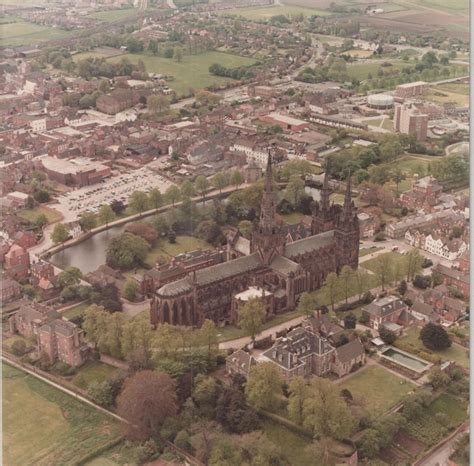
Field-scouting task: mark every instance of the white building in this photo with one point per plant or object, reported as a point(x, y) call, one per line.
point(253, 153)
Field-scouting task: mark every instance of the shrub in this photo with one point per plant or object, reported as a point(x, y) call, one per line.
point(380, 236)
point(435, 337)
point(182, 440)
point(18, 347)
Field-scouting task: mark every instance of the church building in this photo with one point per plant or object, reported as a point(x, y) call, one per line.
point(268, 262)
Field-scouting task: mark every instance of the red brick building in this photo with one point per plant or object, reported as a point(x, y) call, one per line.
point(63, 341)
point(9, 291)
point(17, 262)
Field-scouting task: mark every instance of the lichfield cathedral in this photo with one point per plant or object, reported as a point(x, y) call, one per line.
point(267, 265)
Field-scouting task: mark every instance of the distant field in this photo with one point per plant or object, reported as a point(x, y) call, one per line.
point(192, 71)
point(362, 71)
point(262, 14)
point(454, 6)
point(114, 15)
point(43, 426)
point(359, 53)
point(24, 33)
point(440, 96)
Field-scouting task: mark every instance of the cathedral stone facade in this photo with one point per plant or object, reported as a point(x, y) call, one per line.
point(267, 261)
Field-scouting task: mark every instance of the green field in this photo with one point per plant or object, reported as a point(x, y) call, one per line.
point(165, 250)
point(262, 14)
point(377, 389)
point(454, 6)
point(412, 343)
point(24, 33)
point(75, 311)
point(192, 72)
point(32, 214)
point(110, 16)
point(93, 371)
point(362, 71)
point(456, 88)
point(43, 426)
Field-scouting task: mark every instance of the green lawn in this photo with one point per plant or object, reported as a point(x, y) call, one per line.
point(291, 444)
point(32, 214)
point(457, 88)
point(378, 389)
point(362, 71)
point(265, 13)
point(394, 256)
point(165, 250)
point(75, 311)
point(412, 343)
point(192, 71)
point(24, 33)
point(43, 426)
point(440, 96)
point(93, 371)
point(293, 218)
point(122, 454)
point(367, 251)
point(412, 165)
point(114, 15)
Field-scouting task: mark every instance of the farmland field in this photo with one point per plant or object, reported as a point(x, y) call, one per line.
point(110, 16)
point(192, 71)
point(262, 14)
point(24, 33)
point(44, 426)
point(377, 388)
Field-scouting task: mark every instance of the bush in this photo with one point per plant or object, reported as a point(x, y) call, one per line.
point(380, 236)
point(368, 298)
point(387, 335)
point(101, 393)
point(426, 263)
point(435, 337)
point(182, 440)
point(63, 369)
point(18, 347)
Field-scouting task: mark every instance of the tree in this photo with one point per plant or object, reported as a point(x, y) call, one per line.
point(294, 190)
point(130, 289)
point(220, 181)
point(361, 279)
point(143, 230)
point(138, 202)
point(105, 215)
point(101, 393)
point(201, 185)
point(331, 286)
point(187, 189)
point(414, 261)
point(126, 251)
point(438, 378)
point(59, 234)
point(325, 411)
point(345, 278)
point(236, 178)
point(41, 196)
point(435, 337)
point(172, 194)
point(383, 269)
point(350, 320)
point(298, 390)
point(157, 104)
point(398, 176)
point(307, 304)
point(18, 347)
point(87, 221)
point(264, 386)
point(136, 342)
point(245, 227)
point(155, 198)
point(41, 220)
point(117, 206)
point(70, 276)
point(147, 399)
point(178, 54)
point(402, 287)
point(252, 317)
point(207, 335)
point(387, 335)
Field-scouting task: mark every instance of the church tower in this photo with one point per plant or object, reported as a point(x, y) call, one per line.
point(347, 233)
point(268, 239)
point(323, 213)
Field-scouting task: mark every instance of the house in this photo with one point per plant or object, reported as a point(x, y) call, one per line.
point(349, 357)
point(10, 290)
point(239, 362)
point(454, 309)
point(383, 310)
point(17, 262)
point(304, 353)
point(18, 199)
point(424, 312)
point(453, 277)
point(63, 341)
point(25, 239)
point(30, 317)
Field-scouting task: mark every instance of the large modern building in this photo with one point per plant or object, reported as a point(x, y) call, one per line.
point(267, 261)
point(409, 120)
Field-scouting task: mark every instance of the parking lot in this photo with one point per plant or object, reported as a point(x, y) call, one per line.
point(120, 187)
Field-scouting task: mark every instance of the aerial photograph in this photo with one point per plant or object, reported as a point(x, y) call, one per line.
point(235, 232)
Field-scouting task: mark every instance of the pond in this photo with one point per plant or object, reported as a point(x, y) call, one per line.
point(88, 255)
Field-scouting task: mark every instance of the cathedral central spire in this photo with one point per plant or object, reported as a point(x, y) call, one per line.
point(268, 222)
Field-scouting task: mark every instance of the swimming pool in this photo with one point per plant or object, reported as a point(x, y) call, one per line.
point(404, 359)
